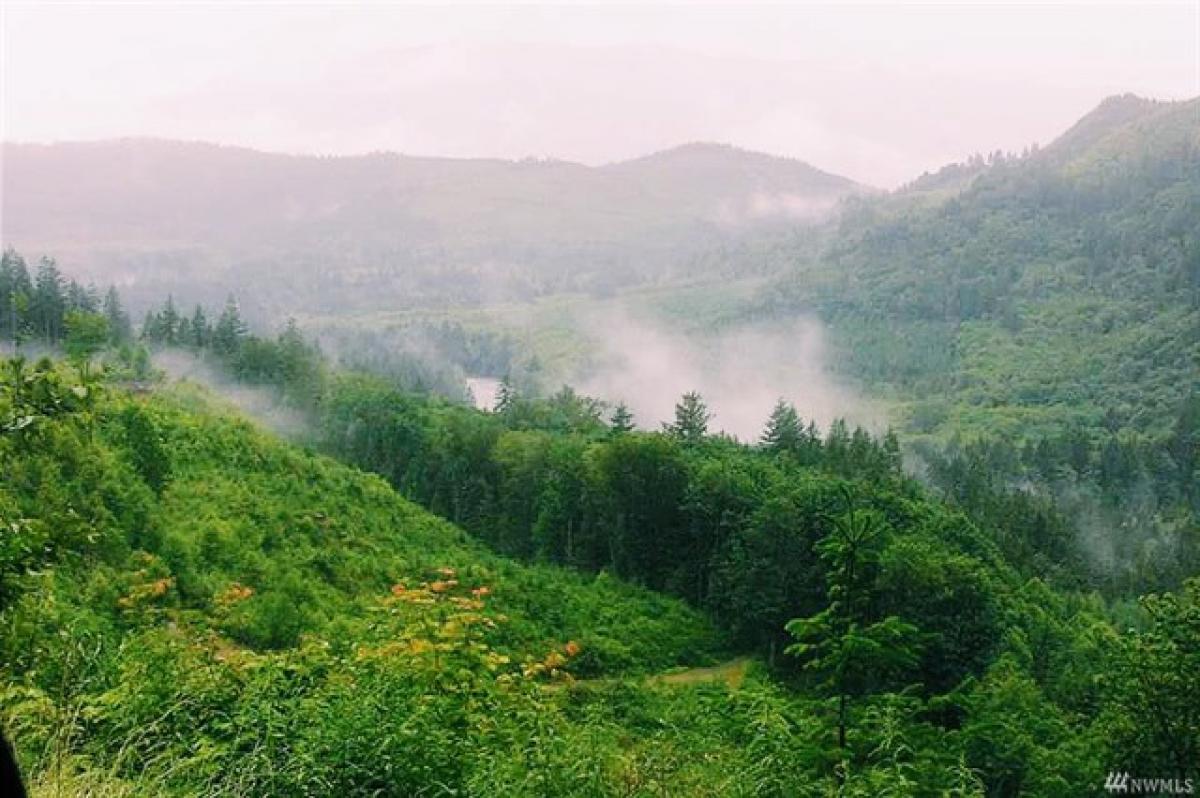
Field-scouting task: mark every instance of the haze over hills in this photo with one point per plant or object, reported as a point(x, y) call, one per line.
point(381, 230)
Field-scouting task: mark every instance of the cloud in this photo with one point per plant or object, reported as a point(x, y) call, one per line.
point(740, 373)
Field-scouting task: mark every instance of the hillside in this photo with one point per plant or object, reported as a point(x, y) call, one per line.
point(386, 230)
point(1058, 288)
point(191, 607)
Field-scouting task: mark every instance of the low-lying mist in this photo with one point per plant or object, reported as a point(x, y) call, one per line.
point(264, 405)
point(740, 373)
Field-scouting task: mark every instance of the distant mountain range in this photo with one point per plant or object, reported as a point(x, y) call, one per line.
point(383, 230)
point(305, 234)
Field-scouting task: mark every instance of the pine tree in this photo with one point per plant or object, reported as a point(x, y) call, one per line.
point(168, 321)
point(183, 331)
point(119, 328)
point(201, 331)
point(230, 330)
point(48, 303)
point(150, 327)
point(850, 648)
point(891, 452)
point(622, 420)
point(11, 266)
point(506, 396)
point(691, 419)
point(784, 431)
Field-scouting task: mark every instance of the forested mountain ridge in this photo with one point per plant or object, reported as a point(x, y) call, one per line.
point(1034, 322)
point(1057, 287)
point(386, 230)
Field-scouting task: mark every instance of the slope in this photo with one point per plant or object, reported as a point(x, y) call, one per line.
point(1055, 289)
point(192, 607)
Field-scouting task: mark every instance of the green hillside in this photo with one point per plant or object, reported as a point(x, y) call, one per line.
point(191, 607)
point(269, 622)
point(1056, 289)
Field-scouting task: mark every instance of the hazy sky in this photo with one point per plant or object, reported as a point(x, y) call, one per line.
point(876, 92)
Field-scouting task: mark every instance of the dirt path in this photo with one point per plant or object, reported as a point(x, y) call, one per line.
point(732, 673)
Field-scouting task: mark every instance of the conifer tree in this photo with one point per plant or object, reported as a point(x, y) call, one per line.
point(48, 303)
point(506, 396)
point(784, 431)
point(150, 327)
point(230, 329)
point(119, 328)
point(691, 419)
point(622, 420)
point(200, 329)
point(850, 648)
point(16, 292)
point(168, 321)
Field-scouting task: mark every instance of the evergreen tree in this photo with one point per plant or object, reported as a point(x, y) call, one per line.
point(230, 329)
point(119, 328)
point(893, 459)
point(48, 303)
point(183, 331)
point(16, 291)
point(168, 322)
point(691, 419)
point(506, 396)
point(852, 650)
point(80, 298)
point(784, 431)
point(150, 327)
point(200, 329)
point(622, 420)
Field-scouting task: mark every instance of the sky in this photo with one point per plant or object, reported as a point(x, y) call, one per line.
point(876, 92)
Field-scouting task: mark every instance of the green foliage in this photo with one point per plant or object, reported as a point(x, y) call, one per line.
point(1154, 718)
point(851, 649)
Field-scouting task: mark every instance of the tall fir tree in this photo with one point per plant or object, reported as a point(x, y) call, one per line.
point(168, 321)
point(230, 329)
point(48, 303)
point(851, 649)
point(119, 328)
point(506, 396)
point(784, 431)
point(200, 328)
point(691, 419)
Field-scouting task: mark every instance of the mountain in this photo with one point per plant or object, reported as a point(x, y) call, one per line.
point(1020, 294)
point(386, 230)
point(1120, 112)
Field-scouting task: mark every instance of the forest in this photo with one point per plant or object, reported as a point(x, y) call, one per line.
point(406, 594)
point(623, 611)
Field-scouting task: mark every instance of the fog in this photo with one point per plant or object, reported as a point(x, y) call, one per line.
point(264, 405)
point(740, 373)
point(483, 391)
point(877, 92)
